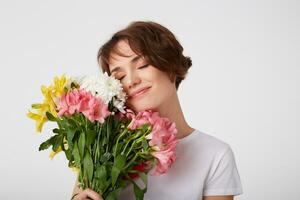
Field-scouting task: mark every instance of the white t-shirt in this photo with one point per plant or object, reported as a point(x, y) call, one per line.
point(204, 166)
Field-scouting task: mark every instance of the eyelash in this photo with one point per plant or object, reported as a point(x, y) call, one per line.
point(144, 66)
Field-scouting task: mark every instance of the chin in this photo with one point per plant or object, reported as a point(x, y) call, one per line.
point(141, 106)
point(137, 109)
point(148, 102)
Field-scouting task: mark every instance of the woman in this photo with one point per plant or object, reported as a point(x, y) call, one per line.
point(148, 60)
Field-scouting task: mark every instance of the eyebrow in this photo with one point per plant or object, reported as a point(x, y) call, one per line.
point(133, 60)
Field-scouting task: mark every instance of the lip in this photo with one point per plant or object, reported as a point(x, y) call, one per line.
point(139, 92)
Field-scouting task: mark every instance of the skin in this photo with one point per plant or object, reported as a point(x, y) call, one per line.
point(229, 197)
point(85, 194)
point(161, 97)
point(135, 73)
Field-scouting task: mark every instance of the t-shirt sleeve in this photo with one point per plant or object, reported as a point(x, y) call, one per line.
point(223, 177)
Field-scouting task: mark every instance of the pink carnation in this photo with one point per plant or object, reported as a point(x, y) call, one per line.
point(83, 102)
point(162, 138)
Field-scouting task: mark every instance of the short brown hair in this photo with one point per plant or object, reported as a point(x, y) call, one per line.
point(156, 43)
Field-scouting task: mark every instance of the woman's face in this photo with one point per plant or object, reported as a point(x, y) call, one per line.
point(146, 86)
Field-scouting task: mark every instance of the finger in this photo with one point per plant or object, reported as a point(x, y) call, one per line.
point(92, 194)
point(84, 195)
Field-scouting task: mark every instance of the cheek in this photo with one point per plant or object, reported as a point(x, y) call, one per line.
point(157, 97)
point(161, 91)
point(162, 87)
point(149, 101)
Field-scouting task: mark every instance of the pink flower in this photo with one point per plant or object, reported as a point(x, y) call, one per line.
point(164, 145)
point(83, 102)
point(162, 138)
point(163, 131)
point(165, 159)
point(129, 114)
point(144, 117)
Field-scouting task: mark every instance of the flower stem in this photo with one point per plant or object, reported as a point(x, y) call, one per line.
point(138, 134)
point(116, 145)
point(107, 134)
point(97, 144)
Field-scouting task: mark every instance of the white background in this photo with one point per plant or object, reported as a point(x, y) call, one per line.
point(243, 87)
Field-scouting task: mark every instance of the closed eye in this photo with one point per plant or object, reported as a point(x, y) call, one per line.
point(143, 66)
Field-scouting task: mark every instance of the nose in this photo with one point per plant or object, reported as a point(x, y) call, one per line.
point(131, 80)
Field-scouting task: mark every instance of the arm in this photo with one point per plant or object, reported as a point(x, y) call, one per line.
point(218, 197)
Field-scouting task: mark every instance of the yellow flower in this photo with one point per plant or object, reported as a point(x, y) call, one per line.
point(53, 153)
point(48, 100)
point(51, 95)
point(59, 84)
point(40, 120)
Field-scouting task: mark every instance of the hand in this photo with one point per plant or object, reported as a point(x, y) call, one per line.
point(87, 194)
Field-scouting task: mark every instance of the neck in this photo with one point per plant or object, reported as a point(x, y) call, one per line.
point(172, 110)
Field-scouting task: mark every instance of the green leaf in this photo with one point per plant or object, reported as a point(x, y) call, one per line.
point(76, 154)
point(90, 137)
point(145, 145)
point(100, 177)
point(57, 131)
point(139, 193)
point(101, 173)
point(45, 145)
point(72, 123)
point(119, 163)
point(70, 133)
point(146, 127)
point(57, 141)
point(144, 178)
point(51, 117)
point(60, 124)
point(70, 136)
point(105, 157)
point(68, 154)
point(114, 194)
point(88, 165)
point(81, 144)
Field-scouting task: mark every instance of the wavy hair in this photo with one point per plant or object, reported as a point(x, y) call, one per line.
point(156, 43)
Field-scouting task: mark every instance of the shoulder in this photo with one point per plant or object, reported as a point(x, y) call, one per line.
point(215, 158)
point(205, 143)
point(222, 176)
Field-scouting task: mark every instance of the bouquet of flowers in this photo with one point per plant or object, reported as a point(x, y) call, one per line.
point(106, 143)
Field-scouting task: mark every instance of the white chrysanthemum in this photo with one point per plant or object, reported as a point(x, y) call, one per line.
point(76, 79)
point(102, 86)
point(119, 102)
